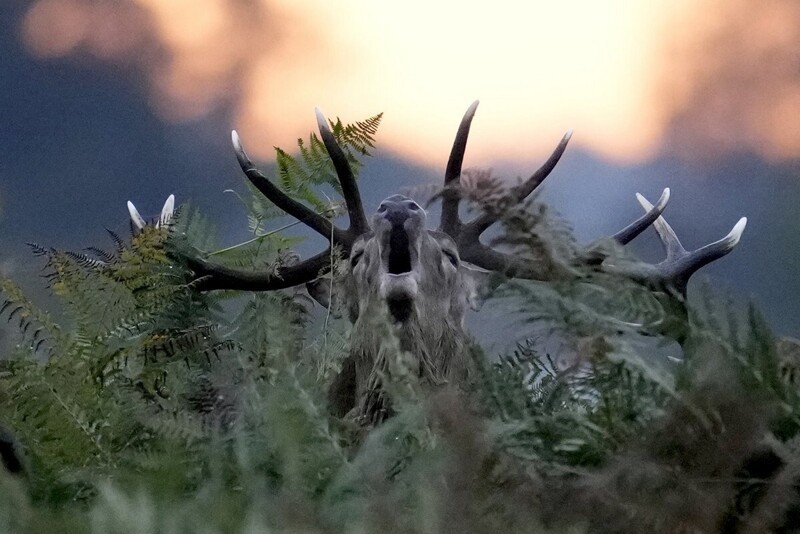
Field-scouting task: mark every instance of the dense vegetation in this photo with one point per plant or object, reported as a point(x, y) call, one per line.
point(157, 408)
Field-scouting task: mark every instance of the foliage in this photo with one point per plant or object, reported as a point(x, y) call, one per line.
point(315, 167)
point(158, 408)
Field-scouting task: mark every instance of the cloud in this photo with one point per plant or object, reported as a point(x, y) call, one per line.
point(731, 82)
point(701, 78)
point(191, 53)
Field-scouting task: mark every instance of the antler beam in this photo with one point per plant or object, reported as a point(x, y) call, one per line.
point(213, 276)
point(352, 198)
point(519, 193)
point(629, 233)
point(679, 265)
point(674, 272)
point(450, 223)
point(284, 202)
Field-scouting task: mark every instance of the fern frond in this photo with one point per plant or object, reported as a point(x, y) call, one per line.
point(118, 241)
point(104, 256)
point(36, 327)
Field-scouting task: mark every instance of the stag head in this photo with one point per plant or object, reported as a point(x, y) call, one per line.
point(406, 268)
point(412, 276)
point(423, 280)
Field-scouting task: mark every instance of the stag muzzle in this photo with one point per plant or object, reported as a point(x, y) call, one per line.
point(400, 221)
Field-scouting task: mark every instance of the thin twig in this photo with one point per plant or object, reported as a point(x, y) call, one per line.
point(257, 238)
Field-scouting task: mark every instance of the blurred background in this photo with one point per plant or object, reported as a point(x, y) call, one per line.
point(102, 101)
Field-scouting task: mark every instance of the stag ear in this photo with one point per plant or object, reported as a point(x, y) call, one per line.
point(478, 284)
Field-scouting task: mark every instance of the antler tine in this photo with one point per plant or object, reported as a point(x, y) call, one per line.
point(629, 233)
point(713, 251)
point(313, 220)
point(679, 264)
point(352, 197)
point(526, 188)
point(450, 222)
point(670, 241)
point(597, 252)
point(519, 193)
point(166, 212)
point(211, 276)
point(136, 219)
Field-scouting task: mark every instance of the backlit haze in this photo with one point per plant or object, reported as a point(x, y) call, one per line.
point(623, 74)
point(104, 101)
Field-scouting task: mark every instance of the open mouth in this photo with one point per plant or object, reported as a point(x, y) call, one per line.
point(399, 290)
point(399, 251)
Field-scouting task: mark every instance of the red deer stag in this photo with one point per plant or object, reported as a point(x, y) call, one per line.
point(426, 279)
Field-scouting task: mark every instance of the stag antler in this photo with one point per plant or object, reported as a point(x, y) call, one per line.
point(673, 273)
point(213, 276)
point(164, 219)
point(467, 235)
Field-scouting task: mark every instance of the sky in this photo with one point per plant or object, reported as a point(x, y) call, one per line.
point(104, 101)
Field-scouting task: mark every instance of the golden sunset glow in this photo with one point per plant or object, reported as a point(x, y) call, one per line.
point(620, 73)
point(737, 87)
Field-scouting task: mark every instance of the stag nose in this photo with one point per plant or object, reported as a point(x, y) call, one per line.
point(395, 212)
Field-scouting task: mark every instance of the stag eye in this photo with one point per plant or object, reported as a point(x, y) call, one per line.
point(451, 256)
point(355, 258)
point(381, 208)
point(413, 206)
